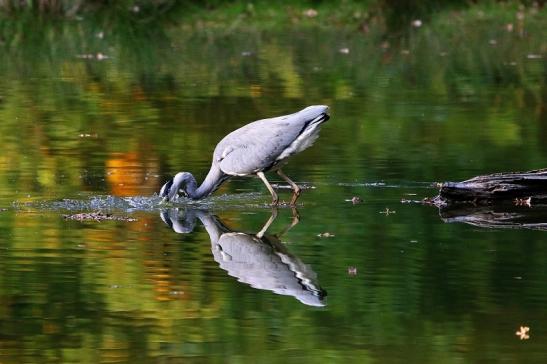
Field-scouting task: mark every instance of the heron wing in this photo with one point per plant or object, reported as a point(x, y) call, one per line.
point(255, 147)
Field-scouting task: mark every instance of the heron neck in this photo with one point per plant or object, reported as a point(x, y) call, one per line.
point(213, 226)
point(214, 179)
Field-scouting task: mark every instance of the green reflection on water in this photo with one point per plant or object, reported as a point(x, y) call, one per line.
point(406, 113)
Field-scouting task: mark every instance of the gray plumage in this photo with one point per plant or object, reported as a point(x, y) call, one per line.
point(259, 260)
point(253, 149)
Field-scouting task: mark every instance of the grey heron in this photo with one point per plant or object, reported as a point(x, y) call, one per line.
point(262, 261)
point(258, 147)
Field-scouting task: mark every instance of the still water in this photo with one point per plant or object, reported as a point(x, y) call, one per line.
point(96, 123)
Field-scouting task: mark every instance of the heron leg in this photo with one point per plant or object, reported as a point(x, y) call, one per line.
point(275, 199)
point(296, 189)
point(273, 216)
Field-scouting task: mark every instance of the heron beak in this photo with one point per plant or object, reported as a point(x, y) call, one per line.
point(321, 118)
point(165, 191)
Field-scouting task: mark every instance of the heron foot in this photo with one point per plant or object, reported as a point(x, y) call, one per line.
point(296, 190)
point(286, 204)
point(296, 193)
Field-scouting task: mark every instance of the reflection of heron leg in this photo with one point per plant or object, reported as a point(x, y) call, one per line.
point(295, 217)
point(296, 189)
point(261, 233)
point(275, 199)
point(295, 220)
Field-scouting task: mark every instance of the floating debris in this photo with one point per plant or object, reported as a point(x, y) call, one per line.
point(387, 211)
point(534, 56)
point(97, 216)
point(303, 186)
point(325, 235)
point(352, 271)
point(344, 50)
point(523, 202)
point(355, 200)
point(522, 333)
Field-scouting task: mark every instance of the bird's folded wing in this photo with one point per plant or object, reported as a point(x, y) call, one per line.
point(255, 147)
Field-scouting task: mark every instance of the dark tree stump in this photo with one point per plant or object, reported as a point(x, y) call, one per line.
point(521, 187)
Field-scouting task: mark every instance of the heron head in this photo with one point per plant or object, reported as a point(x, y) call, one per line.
point(170, 190)
point(313, 298)
point(319, 112)
point(166, 189)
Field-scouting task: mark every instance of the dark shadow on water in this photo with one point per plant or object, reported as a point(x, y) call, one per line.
point(257, 259)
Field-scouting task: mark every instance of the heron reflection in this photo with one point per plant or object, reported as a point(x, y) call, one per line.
point(259, 260)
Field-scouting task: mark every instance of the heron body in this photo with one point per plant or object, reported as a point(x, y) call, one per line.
point(258, 147)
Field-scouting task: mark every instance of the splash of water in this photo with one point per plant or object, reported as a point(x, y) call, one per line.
point(141, 203)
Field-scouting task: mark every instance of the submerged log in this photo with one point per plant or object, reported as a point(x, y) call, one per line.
point(524, 188)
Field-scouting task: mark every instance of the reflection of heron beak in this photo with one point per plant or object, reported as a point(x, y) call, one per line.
point(165, 217)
